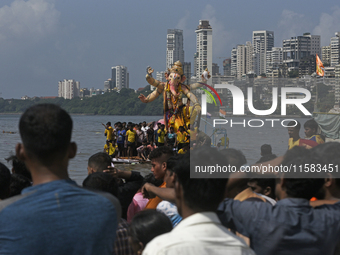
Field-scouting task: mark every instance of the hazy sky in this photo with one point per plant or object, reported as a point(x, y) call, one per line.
point(45, 41)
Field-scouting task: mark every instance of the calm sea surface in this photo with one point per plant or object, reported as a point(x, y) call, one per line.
point(88, 133)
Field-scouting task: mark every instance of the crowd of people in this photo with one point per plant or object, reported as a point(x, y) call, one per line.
point(165, 212)
point(139, 139)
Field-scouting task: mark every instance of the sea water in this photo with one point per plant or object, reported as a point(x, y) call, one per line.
point(88, 133)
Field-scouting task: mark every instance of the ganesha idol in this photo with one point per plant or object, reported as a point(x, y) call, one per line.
point(175, 113)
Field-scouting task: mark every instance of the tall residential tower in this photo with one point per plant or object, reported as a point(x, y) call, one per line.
point(263, 41)
point(174, 47)
point(120, 77)
point(203, 53)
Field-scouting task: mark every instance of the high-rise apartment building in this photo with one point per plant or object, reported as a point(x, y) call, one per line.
point(249, 57)
point(187, 72)
point(326, 55)
point(263, 41)
point(203, 48)
point(244, 59)
point(174, 47)
point(298, 47)
point(227, 67)
point(68, 89)
point(120, 77)
point(108, 85)
point(335, 49)
point(274, 59)
point(233, 62)
point(240, 60)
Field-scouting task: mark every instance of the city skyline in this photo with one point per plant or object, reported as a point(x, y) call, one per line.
point(44, 41)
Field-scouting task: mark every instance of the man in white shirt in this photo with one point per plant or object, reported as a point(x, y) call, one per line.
point(200, 231)
point(144, 128)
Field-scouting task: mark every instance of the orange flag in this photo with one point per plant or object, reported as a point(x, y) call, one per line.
point(319, 66)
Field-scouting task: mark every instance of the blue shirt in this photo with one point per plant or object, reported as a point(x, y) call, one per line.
point(121, 136)
point(58, 217)
point(292, 226)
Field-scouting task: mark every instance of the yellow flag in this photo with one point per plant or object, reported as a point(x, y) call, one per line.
point(319, 66)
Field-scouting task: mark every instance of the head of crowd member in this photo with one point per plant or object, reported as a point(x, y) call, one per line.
point(102, 182)
point(158, 158)
point(144, 124)
point(266, 149)
point(296, 185)
point(116, 125)
point(311, 128)
point(266, 153)
point(159, 125)
point(172, 130)
point(108, 124)
point(181, 129)
point(328, 154)
point(264, 186)
point(46, 147)
point(19, 167)
point(194, 195)
point(145, 226)
point(235, 157)
point(5, 181)
point(18, 183)
point(130, 127)
point(123, 125)
point(169, 177)
point(98, 162)
point(162, 127)
point(294, 130)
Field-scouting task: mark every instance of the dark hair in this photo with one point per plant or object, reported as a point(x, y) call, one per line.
point(45, 130)
point(109, 123)
point(235, 157)
point(312, 124)
point(150, 178)
point(328, 153)
point(296, 185)
point(18, 183)
point(19, 167)
point(148, 224)
point(103, 182)
point(159, 152)
point(200, 194)
point(99, 161)
point(266, 149)
point(5, 181)
point(293, 123)
point(266, 182)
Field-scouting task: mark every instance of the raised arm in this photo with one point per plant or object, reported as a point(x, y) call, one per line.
point(152, 96)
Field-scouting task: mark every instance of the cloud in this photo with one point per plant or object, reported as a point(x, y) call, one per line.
point(27, 21)
point(221, 37)
point(328, 25)
point(291, 24)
